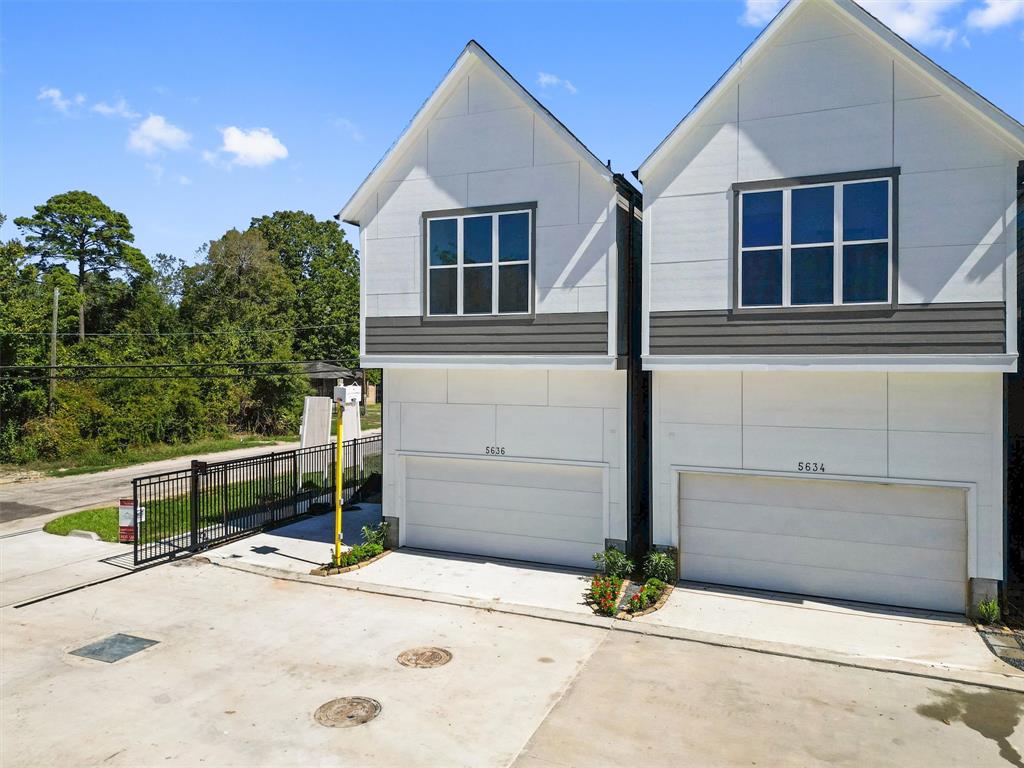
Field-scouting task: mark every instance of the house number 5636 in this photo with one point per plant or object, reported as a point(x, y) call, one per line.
point(810, 466)
point(494, 450)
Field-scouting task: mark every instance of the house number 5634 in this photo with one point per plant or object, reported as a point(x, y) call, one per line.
point(810, 466)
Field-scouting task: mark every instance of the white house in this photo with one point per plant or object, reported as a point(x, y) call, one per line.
point(494, 258)
point(830, 277)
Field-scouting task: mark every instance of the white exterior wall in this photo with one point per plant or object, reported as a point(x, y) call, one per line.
point(945, 428)
point(486, 146)
point(826, 97)
point(548, 415)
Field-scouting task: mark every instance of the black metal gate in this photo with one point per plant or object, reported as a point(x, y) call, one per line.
point(209, 503)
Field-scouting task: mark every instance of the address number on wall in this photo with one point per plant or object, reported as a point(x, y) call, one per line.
point(494, 450)
point(810, 466)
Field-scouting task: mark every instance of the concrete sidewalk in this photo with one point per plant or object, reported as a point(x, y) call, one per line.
point(850, 633)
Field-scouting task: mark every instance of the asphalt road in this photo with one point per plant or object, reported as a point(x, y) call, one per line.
point(33, 498)
point(243, 661)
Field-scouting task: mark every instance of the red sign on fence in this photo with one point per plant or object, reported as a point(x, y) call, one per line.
point(126, 519)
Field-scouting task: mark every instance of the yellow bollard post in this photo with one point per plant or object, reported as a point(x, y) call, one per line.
point(339, 472)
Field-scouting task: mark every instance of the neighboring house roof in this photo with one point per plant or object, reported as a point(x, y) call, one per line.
point(1004, 125)
point(472, 53)
point(322, 370)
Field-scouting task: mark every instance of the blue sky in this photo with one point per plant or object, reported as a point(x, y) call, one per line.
point(192, 118)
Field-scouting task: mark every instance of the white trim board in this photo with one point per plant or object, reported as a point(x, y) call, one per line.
point(982, 363)
point(971, 489)
point(533, 362)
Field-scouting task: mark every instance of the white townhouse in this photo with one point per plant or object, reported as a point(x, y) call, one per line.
point(829, 306)
point(495, 270)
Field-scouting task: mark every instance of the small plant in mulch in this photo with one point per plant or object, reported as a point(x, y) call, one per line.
point(604, 594)
point(646, 596)
point(660, 566)
point(614, 563)
point(988, 612)
point(373, 546)
point(356, 555)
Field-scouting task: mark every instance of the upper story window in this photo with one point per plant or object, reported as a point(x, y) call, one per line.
point(818, 242)
point(479, 261)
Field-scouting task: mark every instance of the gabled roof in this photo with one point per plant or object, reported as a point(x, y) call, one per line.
point(1004, 125)
point(472, 53)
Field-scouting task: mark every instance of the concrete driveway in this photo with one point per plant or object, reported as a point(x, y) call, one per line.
point(243, 661)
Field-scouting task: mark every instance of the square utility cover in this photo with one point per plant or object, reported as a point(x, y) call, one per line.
point(114, 648)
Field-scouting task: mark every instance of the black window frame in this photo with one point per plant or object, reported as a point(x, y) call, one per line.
point(461, 213)
point(737, 189)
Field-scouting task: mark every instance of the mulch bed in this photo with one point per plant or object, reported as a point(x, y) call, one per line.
point(326, 570)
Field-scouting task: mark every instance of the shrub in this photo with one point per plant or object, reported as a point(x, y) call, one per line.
point(604, 594)
point(660, 566)
point(614, 563)
point(376, 534)
point(356, 555)
point(647, 595)
point(988, 611)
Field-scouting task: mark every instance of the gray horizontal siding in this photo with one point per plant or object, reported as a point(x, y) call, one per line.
point(573, 333)
point(908, 329)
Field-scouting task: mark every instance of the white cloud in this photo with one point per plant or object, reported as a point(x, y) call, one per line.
point(996, 13)
point(757, 13)
point(349, 127)
point(155, 134)
point(547, 80)
point(919, 21)
point(55, 97)
point(252, 147)
point(184, 180)
point(120, 109)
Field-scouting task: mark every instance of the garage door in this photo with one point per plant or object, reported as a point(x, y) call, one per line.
point(895, 544)
point(547, 513)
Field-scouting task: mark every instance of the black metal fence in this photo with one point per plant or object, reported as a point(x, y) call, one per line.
point(189, 510)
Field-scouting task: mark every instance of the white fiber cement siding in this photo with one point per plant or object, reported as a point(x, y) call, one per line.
point(930, 428)
point(554, 495)
point(829, 98)
point(485, 146)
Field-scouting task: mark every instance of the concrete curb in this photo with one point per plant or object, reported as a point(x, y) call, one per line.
point(994, 680)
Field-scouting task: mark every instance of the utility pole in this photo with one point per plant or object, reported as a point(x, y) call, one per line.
point(53, 351)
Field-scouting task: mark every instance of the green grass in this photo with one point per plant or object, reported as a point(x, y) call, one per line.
point(102, 521)
point(170, 516)
point(96, 461)
point(372, 419)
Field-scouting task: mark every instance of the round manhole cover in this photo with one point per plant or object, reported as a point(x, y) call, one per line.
point(425, 658)
point(347, 712)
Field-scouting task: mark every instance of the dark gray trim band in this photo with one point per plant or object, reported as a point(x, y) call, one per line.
point(823, 178)
point(562, 333)
point(968, 328)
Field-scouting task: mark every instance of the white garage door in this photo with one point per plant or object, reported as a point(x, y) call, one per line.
point(547, 513)
point(896, 544)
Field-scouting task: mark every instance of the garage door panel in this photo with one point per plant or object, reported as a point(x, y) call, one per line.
point(505, 473)
point(930, 594)
point(823, 553)
point(881, 498)
point(486, 520)
point(507, 497)
point(544, 512)
point(928, 533)
point(528, 548)
point(858, 540)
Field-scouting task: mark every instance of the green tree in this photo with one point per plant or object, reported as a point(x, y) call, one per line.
point(241, 293)
point(324, 268)
point(80, 228)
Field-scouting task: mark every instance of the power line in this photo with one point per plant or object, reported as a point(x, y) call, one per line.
point(158, 377)
point(131, 366)
point(182, 333)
